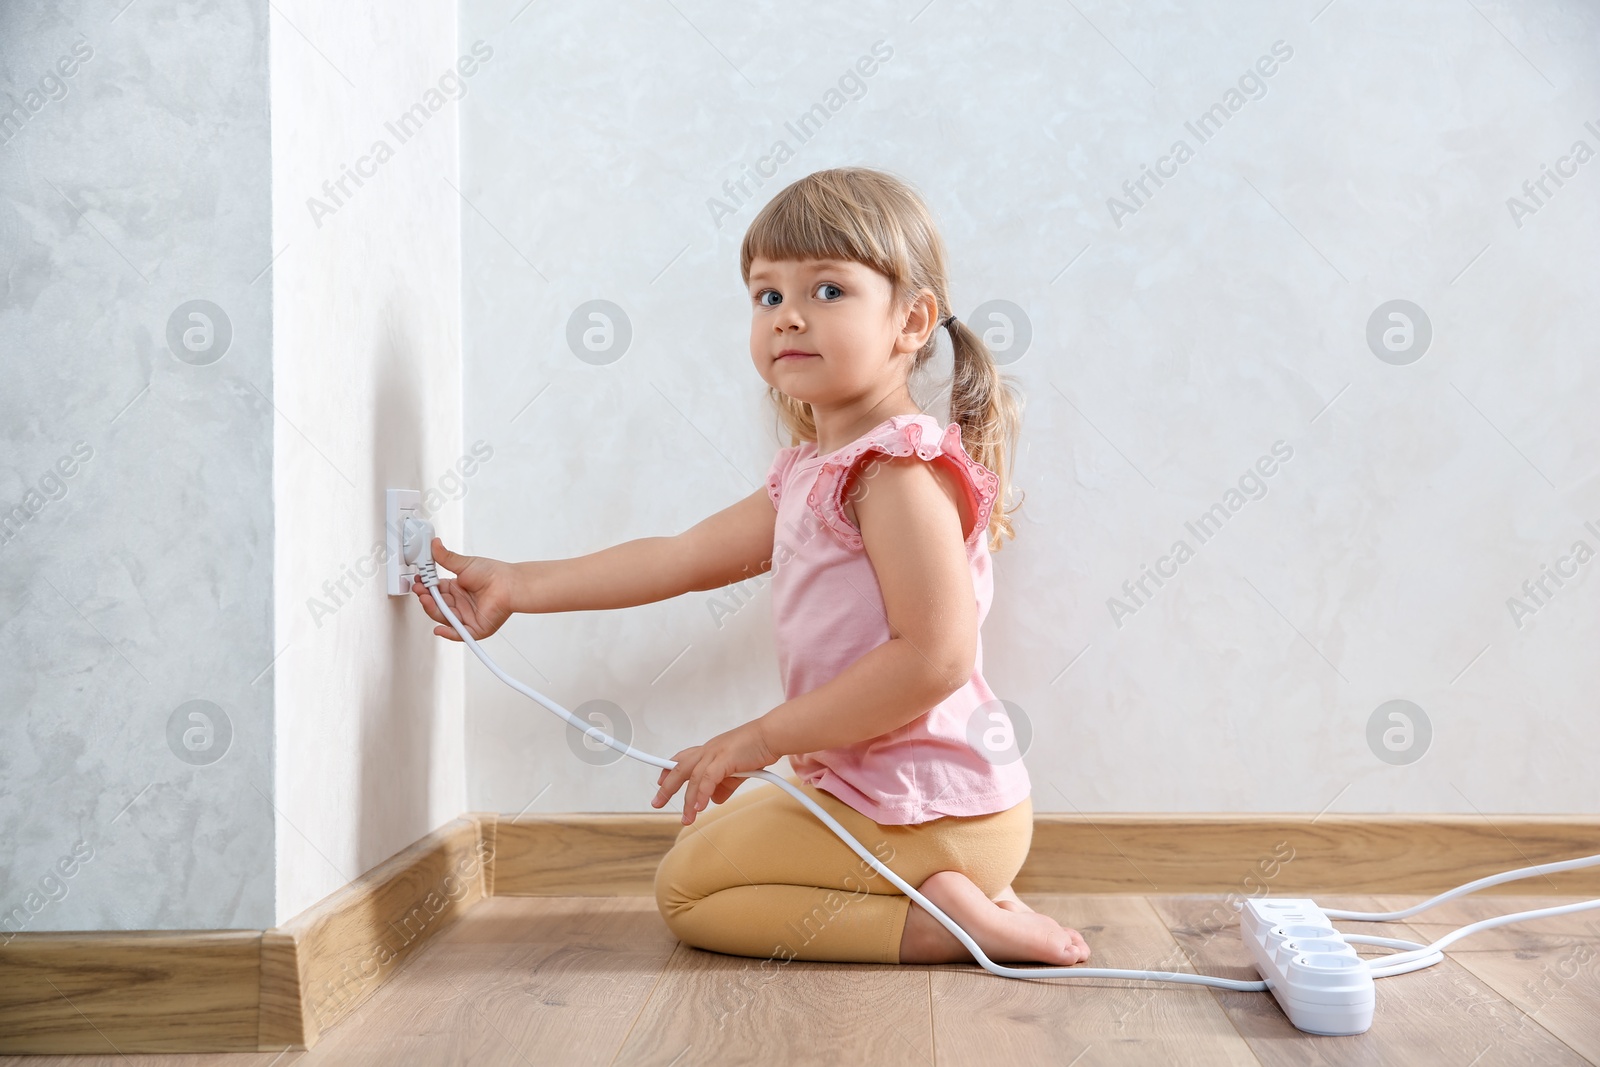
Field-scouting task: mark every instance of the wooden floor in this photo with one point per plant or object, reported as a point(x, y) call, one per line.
point(599, 980)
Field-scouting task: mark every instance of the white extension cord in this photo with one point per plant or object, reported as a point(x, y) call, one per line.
point(418, 549)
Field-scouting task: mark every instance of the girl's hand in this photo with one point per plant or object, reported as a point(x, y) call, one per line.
point(479, 594)
point(707, 768)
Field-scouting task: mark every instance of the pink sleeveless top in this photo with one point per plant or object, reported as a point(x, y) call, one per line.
point(828, 611)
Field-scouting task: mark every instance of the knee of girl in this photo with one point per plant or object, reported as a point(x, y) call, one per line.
point(673, 900)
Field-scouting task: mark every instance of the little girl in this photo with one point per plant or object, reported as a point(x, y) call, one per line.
point(877, 525)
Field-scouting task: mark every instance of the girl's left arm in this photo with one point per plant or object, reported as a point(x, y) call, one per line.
point(911, 526)
point(912, 529)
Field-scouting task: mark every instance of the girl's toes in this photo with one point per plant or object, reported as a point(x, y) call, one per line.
point(1067, 946)
point(1066, 951)
point(1040, 939)
point(1078, 946)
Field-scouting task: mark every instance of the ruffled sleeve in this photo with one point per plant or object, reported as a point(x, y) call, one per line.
point(779, 472)
point(920, 435)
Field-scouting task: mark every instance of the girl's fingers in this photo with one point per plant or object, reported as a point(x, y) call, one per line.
point(431, 607)
point(432, 610)
point(457, 604)
point(689, 807)
point(680, 774)
point(669, 785)
point(425, 598)
point(701, 794)
point(461, 605)
point(710, 784)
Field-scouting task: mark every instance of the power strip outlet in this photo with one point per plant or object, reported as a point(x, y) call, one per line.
point(1320, 982)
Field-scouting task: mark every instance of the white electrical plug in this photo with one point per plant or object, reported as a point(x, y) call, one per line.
point(400, 506)
point(417, 536)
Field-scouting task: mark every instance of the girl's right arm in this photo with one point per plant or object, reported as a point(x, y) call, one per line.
point(733, 544)
point(729, 546)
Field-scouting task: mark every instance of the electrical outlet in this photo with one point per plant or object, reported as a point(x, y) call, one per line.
point(400, 504)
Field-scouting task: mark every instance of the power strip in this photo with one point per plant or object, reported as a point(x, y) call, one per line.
point(1320, 982)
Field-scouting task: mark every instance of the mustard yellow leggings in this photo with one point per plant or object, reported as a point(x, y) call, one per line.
point(762, 876)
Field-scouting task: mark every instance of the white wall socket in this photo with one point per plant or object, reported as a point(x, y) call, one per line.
point(399, 504)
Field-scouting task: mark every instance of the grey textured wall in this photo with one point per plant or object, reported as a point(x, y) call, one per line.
point(136, 578)
point(216, 548)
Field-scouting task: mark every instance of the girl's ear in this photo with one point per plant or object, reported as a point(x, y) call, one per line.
point(921, 319)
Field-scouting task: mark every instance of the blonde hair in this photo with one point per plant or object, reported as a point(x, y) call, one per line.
point(873, 218)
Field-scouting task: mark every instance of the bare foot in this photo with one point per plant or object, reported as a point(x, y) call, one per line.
point(1004, 934)
point(1009, 900)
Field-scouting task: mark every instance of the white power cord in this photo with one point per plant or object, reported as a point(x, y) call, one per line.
point(1463, 890)
point(1418, 956)
point(418, 542)
point(1426, 955)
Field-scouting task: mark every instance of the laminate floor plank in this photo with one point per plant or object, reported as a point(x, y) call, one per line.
point(710, 1009)
point(600, 980)
point(983, 1019)
point(1548, 968)
point(518, 981)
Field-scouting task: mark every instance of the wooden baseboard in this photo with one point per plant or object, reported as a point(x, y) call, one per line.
point(616, 855)
point(1255, 855)
point(114, 992)
point(130, 991)
point(327, 961)
point(268, 990)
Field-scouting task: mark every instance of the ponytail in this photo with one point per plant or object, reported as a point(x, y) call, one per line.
point(984, 404)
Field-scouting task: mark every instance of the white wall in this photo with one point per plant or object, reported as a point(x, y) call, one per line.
point(366, 320)
point(1168, 353)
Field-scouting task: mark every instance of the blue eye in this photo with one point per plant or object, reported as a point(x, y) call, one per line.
point(761, 296)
